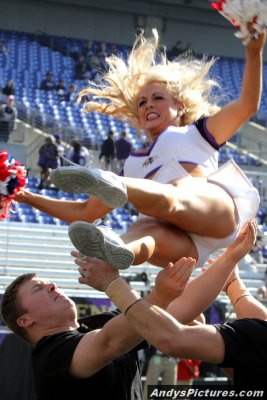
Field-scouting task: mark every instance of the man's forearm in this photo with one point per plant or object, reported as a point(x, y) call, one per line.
point(124, 298)
point(155, 298)
point(244, 303)
point(144, 318)
point(202, 290)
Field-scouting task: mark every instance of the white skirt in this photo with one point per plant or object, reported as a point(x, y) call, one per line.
point(231, 178)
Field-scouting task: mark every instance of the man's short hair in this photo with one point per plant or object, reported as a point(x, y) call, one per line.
point(11, 309)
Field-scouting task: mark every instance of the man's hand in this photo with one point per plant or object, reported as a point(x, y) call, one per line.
point(172, 281)
point(94, 272)
point(244, 242)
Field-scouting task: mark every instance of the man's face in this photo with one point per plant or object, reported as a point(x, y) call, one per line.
point(45, 304)
point(10, 102)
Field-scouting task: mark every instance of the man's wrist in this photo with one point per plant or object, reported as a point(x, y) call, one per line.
point(230, 257)
point(110, 282)
point(154, 298)
point(121, 294)
point(229, 283)
point(236, 290)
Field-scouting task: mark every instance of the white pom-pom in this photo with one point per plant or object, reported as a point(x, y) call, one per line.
point(244, 12)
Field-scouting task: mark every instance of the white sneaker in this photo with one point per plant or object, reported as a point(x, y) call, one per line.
point(100, 242)
point(105, 185)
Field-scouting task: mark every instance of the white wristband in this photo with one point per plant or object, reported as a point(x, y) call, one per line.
point(121, 294)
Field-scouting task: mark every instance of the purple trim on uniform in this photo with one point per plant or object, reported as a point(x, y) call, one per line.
point(151, 173)
point(208, 136)
point(186, 162)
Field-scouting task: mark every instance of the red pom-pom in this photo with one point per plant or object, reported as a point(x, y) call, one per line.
point(217, 6)
point(12, 180)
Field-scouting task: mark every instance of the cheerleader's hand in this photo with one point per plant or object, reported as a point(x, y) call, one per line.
point(256, 41)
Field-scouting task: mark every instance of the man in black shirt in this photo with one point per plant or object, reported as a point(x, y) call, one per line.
point(83, 359)
point(52, 357)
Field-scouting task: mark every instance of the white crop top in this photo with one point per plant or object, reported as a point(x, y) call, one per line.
point(181, 144)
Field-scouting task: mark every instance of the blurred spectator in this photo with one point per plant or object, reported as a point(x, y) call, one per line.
point(176, 50)
point(262, 291)
point(108, 152)
point(3, 47)
point(189, 50)
point(248, 264)
point(113, 49)
point(48, 159)
point(9, 89)
point(102, 51)
point(79, 154)
point(256, 251)
point(187, 371)
point(61, 89)
point(123, 148)
point(161, 369)
point(8, 115)
point(96, 66)
point(81, 68)
point(71, 94)
point(94, 62)
point(48, 83)
point(88, 50)
point(259, 184)
point(61, 148)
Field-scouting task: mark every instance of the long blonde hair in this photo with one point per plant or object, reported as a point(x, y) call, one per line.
point(185, 78)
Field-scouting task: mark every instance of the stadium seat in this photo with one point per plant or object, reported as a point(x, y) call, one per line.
point(46, 219)
point(29, 219)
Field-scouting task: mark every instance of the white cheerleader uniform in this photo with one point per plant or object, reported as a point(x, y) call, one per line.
point(195, 145)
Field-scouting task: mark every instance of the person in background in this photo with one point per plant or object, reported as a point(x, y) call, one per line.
point(4, 48)
point(161, 369)
point(256, 251)
point(61, 148)
point(47, 83)
point(48, 160)
point(262, 291)
point(187, 371)
point(79, 154)
point(9, 89)
point(81, 68)
point(71, 95)
point(176, 50)
point(107, 152)
point(61, 89)
point(88, 50)
point(122, 150)
point(8, 116)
